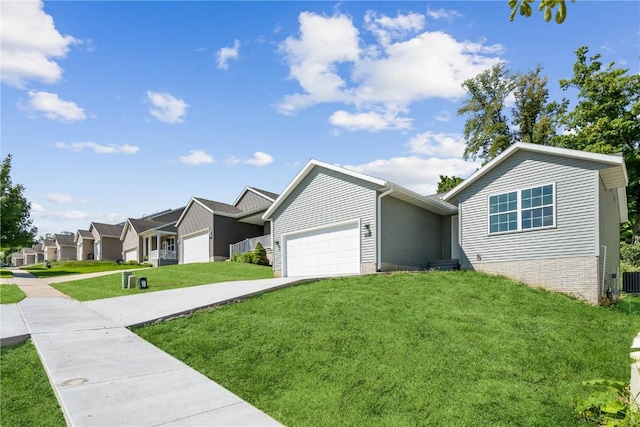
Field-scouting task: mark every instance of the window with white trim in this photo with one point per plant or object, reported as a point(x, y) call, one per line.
point(520, 210)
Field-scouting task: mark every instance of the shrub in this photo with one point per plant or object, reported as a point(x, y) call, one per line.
point(257, 256)
point(132, 262)
point(630, 253)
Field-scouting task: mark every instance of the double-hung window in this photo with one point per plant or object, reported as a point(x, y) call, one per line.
point(520, 210)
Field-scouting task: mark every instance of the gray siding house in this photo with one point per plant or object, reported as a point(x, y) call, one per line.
point(546, 216)
point(151, 238)
point(65, 247)
point(332, 221)
point(84, 245)
point(106, 241)
point(49, 250)
point(207, 229)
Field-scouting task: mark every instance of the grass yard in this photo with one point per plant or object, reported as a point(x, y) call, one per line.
point(449, 349)
point(11, 294)
point(64, 268)
point(163, 278)
point(6, 274)
point(26, 396)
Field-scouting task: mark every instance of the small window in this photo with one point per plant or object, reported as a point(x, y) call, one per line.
point(503, 212)
point(522, 210)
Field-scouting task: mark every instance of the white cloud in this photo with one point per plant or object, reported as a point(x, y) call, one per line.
point(53, 107)
point(98, 148)
point(449, 15)
point(259, 159)
point(65, 216)
point(29, 43)
point(59, 198)
point(228, 53)
point(443, 145)
point(443, 116)
point(196, 157)
point(313, 58)
point(36, 207)
point(166, 107)
point(370, 121)
point(406, 64)
point(416, 173)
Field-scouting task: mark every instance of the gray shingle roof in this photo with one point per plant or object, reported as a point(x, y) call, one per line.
point(266, 193)
point(86, 234)
point(219, 206)
point(142, 225)
point(49, 243)
point(108, 229)
point(64, 240)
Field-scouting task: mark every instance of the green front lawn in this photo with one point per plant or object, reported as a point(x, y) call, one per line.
point(65, 268)
point(26, 396)
point(5, 274)
point(449, 349)
point(11, 294)
point(163, 278)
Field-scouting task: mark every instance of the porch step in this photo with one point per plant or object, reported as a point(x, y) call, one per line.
point(445, 265)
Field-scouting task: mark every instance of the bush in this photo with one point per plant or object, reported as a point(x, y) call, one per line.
point(257, 256)
point(630, 254)
point(132, 262)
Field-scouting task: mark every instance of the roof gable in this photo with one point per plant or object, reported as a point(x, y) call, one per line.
point(106, 230)
point(64, 240)
point(614, 176)
point(267, 195)
point(215, 208)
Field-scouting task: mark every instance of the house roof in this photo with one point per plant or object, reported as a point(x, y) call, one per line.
point(613, 174)
point(27, 251)
point(85, 234)
point(64, 240)
point(394, 190)
point(216, 208)
point(107, 230)
point(166, 216)
point(267, 195)
point(38, 247)
point(49, 243)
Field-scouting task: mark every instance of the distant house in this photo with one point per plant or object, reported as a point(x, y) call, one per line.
point(49, 250)
point(207, 229)
point(17, 260)
point(38, 249)
point(84, 245)
point(106, 241)
point(65, 247)
point(28, 256)
point(545, 216)
point(151, 239)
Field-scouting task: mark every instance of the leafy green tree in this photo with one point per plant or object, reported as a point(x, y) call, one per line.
point(606, 119)
point(488, 130)
point(16, 224)
point(448, 182)
point(546, 6)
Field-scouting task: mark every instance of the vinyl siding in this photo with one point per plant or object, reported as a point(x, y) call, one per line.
point(196, 219)
point(446, 237)
point(609, 219)
point(229, 230)
point(66, 253)
point(84, 248)
point(251, 201)
point(575, 232)
point(325, 197)
point(411, 236)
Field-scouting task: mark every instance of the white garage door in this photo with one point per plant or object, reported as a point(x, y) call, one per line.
point(332, 250)
point(196, 249)
point(131, 256)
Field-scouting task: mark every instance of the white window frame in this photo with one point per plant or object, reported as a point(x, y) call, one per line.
point(169, 244)
point(519, 210)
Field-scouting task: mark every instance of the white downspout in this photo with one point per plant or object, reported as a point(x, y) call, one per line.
point(604, 268)
point(379, 228)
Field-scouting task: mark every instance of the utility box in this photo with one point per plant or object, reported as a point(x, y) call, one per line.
point(142, 283)
point(132, 282)
point(125, 279)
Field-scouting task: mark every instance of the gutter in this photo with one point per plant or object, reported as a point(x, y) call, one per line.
point(379, 227)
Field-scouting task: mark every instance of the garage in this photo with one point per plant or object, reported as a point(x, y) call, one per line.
point(131, 256)
point(331, 250)
point(196, 249)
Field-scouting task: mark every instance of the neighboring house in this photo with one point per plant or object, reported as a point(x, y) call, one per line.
point(65, 247)
point(38, 250)
point(151, 238)
point(331, 221)
point(49, 250)
point(28, 256)
point(84, 245)
point(207, 229)
point(106, 241)
point(17, 260)
point(546, 216)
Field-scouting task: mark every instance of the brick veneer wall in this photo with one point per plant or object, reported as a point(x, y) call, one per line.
point(576, 276)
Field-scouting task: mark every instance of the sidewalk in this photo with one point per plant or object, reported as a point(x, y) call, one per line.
point(105, 375)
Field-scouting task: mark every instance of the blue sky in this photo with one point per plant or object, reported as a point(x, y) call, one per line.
point(120, 109)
